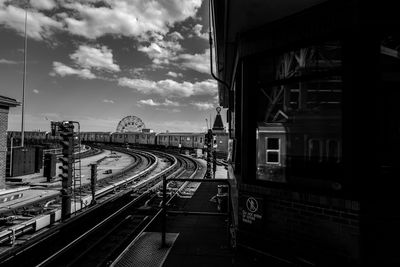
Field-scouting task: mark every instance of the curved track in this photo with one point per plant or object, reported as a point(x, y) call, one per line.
point(108, 188)
point(111, 223)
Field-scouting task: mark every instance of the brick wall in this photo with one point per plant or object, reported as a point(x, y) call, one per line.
point(3, 144)
point(316, 228)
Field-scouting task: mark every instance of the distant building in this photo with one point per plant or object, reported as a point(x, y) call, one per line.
point(221, 136)
point(5, 104)
point(218, 126)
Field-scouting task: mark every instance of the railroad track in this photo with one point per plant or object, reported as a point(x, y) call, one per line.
point(105, 215)
point(52, 214)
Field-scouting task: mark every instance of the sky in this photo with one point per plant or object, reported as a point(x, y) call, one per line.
point(98, 61)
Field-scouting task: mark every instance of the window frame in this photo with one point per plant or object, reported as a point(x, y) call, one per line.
point(279, 163)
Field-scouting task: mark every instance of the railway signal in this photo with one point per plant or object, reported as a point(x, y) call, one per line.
point(66, 131)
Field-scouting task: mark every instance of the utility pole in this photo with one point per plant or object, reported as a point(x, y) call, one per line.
point(24, 81)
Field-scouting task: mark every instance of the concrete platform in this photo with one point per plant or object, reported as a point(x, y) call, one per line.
point(204, 240)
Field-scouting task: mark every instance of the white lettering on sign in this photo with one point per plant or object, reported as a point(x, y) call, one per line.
point(249, 216)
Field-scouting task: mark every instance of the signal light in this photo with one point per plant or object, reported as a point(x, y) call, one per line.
point(67, 143)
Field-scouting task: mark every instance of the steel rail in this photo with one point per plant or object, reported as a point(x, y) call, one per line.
point(84, 235)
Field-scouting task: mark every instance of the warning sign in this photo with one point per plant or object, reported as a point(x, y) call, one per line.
point(251, 210)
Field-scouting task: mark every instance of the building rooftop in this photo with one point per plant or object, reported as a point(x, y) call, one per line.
point(8, 102)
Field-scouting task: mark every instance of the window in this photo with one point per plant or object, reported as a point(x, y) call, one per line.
point(298, 99)
point(187, 138)
point(333, 152)
point(314, 150)
point(388, 105)
point(201, 139)
point(273, 150)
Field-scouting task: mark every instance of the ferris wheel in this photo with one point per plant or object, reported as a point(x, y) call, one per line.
point(130, 124)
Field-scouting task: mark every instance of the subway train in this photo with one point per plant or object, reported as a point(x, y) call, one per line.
point(145, 138)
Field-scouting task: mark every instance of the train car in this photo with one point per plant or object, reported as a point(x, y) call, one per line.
point(132, 138)
point(151, 139)
point(163, 139)
point(184, 140)
point(198, 140)
point(119, 138)
point(174, 139)
point(102, 137)
point(30, 137)
point(146, 138)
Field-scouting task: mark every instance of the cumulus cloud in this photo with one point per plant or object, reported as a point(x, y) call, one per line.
point(176, 36)
point(127, 17)
point(161, 51)
point(171, 103)
point(64, 70)
point(92, 57)
point(174, 74)
point(92, 19)
point(151, 102)
point(86, 59)
point(6, 61)
point(148, 102)
point(108, 101)
point(170, 88)
point(43, 4)
point(39, 26)
point(35, 91)
point(203, 105)
point(197, 62)
point(197, 32)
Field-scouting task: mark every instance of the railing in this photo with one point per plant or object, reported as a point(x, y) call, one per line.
point(165, 211)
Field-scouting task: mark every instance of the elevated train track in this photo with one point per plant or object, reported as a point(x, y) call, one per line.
point(117, 204)
point(52, 213)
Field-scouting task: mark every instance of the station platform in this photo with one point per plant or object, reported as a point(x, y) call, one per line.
point(192, 240)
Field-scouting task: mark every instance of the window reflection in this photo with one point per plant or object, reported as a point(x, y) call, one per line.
point(300, 114)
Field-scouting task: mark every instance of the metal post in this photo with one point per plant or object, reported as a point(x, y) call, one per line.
point(164, 213)
point(214, 162)
point(209, 143)
point(228, 206)
point(11, 155)
point(93, 180)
